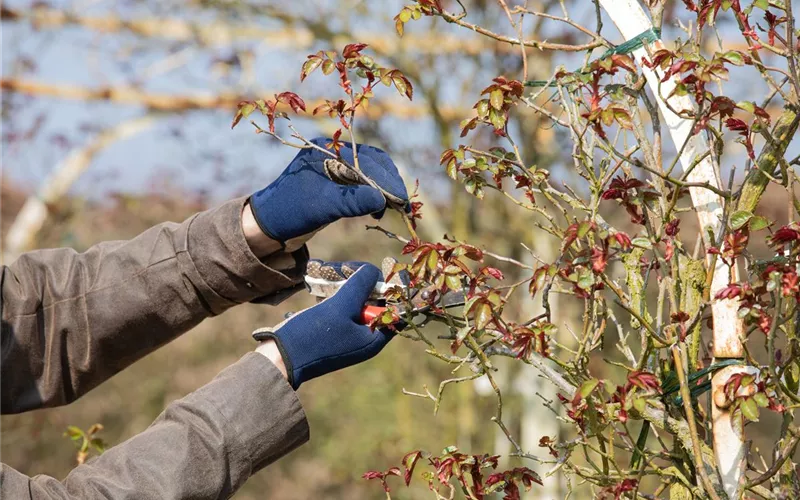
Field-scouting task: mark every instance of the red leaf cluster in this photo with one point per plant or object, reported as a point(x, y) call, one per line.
point(631, 193)
point(522, 475)
point(525, 340)
point(784, 236)
point(494, 109)
point(619, 489)
point(467, 470)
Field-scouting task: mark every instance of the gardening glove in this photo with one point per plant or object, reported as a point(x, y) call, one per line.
point(304, 198)
point(330, 335)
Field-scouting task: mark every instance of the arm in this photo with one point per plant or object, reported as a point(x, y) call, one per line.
point(207, 444)
point(203, 446)
point(71, 320)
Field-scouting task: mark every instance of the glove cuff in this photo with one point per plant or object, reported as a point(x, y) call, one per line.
point(261, 225)
point(262, 335)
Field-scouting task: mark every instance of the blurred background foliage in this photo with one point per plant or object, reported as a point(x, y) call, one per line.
point(75, 69)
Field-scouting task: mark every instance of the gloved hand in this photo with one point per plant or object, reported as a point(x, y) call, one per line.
point(330, 336)
point(304, 199)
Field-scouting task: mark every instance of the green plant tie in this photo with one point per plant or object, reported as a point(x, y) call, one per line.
point(697, 382)
point(627, 47)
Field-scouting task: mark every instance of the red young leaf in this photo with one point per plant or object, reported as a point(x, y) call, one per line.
point(293, 100)
point(599, 259)
point(672, 229)
point(493, 272)
point(353, 50)
point(644, 380)
point(624, 61)
point(623, 240)
point(310, 65)
point(784, 235)
point(729, 292)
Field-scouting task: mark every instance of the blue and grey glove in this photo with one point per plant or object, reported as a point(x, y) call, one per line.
point(330, 335)
point(305, 198)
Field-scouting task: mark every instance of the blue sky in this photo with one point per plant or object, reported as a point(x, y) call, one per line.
point(210, 156)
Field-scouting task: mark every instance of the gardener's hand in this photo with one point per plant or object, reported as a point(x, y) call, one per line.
point(330, 336)
point(304, 199)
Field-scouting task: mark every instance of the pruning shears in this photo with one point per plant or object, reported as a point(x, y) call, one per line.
point(416, 306)
point(411, 304)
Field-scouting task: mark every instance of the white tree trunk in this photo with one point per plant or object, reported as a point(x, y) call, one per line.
point(631, 20)
point(33, 214)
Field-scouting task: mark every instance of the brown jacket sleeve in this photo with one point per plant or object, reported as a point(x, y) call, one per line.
point(203, 446)
point(72, 320)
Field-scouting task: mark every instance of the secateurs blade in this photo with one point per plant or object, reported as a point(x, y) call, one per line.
point(324, 279)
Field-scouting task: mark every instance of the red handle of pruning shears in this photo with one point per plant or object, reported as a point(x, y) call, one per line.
point(369, 313)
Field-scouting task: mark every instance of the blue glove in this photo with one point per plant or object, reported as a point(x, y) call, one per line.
point(330, 335)
point(304, 199)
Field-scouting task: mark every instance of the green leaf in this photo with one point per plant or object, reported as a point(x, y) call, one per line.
point(309, 66)
point(740, 218)
point(761, 4)
point(367, 61)
point(607, 117)
point(247, 109)
point(98, 444)
point(588, 386)
point(681, 90)
point(640, 404)
point(405, 15)
point(470, 185)
point(761, 399)
point(386, 79)
point(623, 118)
point(452, 169)
point(497, 120)
point(400, 85)
point(453, 282)
point(496, 99)
point(495, 487)
point(747, 106)
point(586, 280)
point(483, 314)
point(758, 223)
point(495, 299)
point(433, 260)
point(74, 433)
point(328, 66)
point(641, 242)
point(482, 108)
point(583, 228)
point(449, 450)
point(749, 409)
